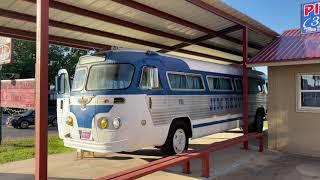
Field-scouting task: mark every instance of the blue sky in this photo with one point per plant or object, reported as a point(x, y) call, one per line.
point(279, 15)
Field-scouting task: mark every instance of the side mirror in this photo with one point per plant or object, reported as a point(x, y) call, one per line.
point(62, 82)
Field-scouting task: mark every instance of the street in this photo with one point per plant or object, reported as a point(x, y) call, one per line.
point(12, 133)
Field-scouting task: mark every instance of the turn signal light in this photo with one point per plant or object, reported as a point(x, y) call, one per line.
point(70, 121)
point(103, 123)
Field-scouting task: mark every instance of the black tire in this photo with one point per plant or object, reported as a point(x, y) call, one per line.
point(54, 122)
point(259, 118)
point(24, 124)
point(168, 148)
point(257, 125)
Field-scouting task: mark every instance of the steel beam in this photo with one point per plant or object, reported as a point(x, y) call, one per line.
point(67, 26)
point(245, 83)
point(231, 18)
point(169, 17)
point(120, 22)
point(31, 36)
point(28, 35)
point(109, 19)
point(202, 38)
point(41, 109)
point(53, 23)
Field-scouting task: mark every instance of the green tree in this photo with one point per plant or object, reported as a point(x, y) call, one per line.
point(24, 54)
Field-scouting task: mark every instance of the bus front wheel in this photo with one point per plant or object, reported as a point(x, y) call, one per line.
point(177, 140)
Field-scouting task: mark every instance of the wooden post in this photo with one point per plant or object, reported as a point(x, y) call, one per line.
point(41, 108)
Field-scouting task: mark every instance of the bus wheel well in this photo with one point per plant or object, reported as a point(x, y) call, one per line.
point(185, 120)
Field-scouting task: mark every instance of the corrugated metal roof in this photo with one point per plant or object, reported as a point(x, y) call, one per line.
point(130, 27)
point(290, 46)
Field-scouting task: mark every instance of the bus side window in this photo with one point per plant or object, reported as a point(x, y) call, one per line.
point(149, 78)
point(254, 86)
point(238, 84)
point(265, 87)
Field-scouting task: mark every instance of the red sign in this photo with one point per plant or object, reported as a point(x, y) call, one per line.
point(5, 50)
point(18, 93)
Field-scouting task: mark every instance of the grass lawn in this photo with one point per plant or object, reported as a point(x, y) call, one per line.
point(20, 149)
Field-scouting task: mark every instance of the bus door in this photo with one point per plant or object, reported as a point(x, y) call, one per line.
point(63, 100)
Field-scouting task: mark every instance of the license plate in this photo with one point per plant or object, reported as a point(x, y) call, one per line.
point(85, 135)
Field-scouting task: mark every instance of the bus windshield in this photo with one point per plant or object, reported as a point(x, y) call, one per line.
point(79, 79)
point(110, 76)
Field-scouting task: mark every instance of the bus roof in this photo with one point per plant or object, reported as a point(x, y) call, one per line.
point(192, 63)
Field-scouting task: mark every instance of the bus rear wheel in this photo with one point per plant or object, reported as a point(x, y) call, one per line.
point(259, 118)
point(257, 125)
point(177, 140)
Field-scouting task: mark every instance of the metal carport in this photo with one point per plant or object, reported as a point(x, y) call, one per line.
point(207, 30)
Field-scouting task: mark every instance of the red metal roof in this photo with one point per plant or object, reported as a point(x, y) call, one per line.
point(290, 46)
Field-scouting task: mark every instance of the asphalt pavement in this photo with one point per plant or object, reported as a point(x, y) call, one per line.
point(12, 133)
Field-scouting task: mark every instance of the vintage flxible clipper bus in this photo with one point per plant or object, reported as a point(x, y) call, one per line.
point(123, 100)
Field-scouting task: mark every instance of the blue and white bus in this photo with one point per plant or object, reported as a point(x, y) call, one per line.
point(124, 100)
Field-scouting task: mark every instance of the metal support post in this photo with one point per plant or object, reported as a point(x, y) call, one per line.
point(186, 167)
point(205, 165)
point(261, 143)
point(1, 112)
point(41, 100)
point(245, 85)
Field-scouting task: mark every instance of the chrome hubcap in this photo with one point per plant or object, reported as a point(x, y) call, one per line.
point(179, 141)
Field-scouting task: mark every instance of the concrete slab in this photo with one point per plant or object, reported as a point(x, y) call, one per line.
point(227, 164)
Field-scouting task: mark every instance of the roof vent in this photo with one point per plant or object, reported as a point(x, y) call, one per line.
point(150, 53)
point(114, 48)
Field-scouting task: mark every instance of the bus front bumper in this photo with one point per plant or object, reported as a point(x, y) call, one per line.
point(92, 146)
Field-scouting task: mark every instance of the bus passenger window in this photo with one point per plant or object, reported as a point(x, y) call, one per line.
point(220, 84)
point(194, 82)
point(149, 78)
point(177, 81)
point(254, 86)
point(238, 83)
point(185, 81)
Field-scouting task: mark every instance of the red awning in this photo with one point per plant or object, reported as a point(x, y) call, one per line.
point(291, 46)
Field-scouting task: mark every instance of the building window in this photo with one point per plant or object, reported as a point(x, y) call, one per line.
point(309, 92)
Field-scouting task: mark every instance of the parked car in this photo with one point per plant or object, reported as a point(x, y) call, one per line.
point(25, 119)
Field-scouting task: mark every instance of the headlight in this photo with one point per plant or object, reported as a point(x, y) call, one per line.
point(103, 123)
point(116, 123)
point(70, 121)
